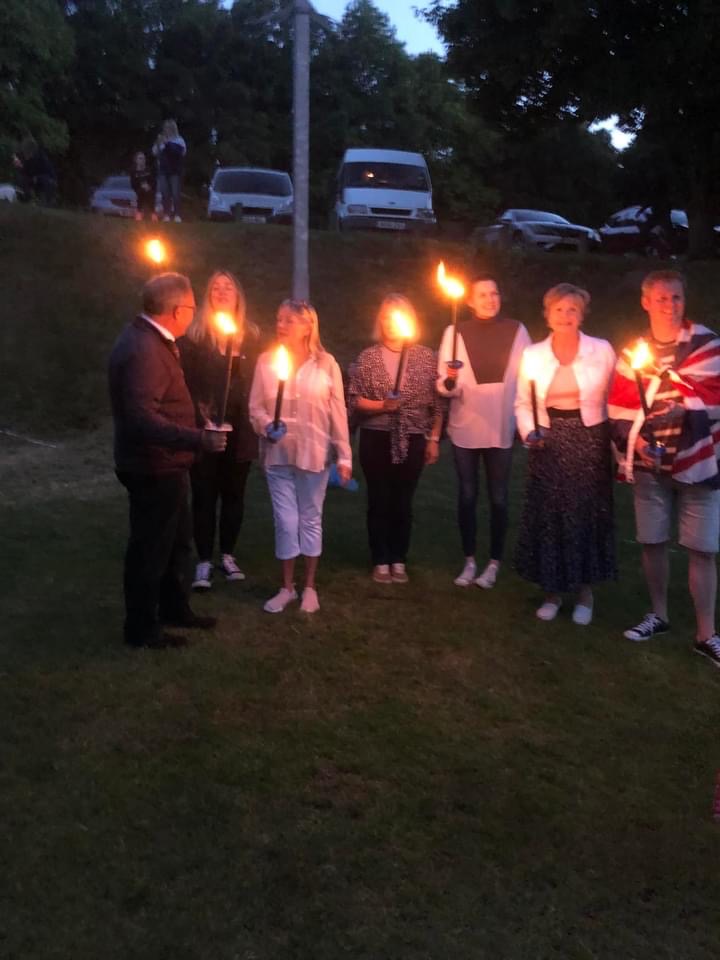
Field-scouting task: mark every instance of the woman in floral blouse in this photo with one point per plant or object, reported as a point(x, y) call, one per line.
point(399, 433)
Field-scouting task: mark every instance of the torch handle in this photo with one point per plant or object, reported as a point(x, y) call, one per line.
point(533, 400)
point(278, 403)
point(641, 391)
point(226, 385)
point(401, 366)
point(455, 330)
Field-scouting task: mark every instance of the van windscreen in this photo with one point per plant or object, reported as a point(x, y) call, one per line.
point(252, 181)
point(385, 176)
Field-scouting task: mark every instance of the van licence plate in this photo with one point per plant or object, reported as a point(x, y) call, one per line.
point(253, 219)
point(391, 225)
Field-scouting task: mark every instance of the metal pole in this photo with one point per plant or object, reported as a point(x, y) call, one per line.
point(301, 149)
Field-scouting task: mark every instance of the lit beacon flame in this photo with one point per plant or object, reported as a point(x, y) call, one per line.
point(403, 325)
point(281, 363)
point(155, 251)
point(225, 323)
point(530, 368)
point(641, 356)
point(451, 286)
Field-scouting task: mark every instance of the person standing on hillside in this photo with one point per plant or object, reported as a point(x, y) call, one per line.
point(482, 423)
point(143, 180)
point(682, 386)
point(156, 440)
point(170, 151)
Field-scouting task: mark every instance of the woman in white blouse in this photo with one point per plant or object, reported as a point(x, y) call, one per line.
point(566, 540)
point(296, 456)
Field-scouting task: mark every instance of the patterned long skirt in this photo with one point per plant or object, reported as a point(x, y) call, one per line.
point(566, 536)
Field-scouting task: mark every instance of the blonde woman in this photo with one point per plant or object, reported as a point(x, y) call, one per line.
point(566, 538)
point(170, 150)
point(296, 455)
point(218, 480)
point(399, 434)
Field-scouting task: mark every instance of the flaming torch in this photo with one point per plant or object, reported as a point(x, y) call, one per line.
point(640, 357)
point(156, 251)
point(531, 373)
point(405, 330)
point(226, 325)
point(281, 366)
point(454, 289)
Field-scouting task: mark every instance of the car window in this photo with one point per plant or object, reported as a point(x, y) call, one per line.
point(117, 183)
point(385, 176)
point(253, 181)
point(538, 216)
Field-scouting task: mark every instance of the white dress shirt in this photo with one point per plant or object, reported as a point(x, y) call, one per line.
point(313, 410)
point(593, 367)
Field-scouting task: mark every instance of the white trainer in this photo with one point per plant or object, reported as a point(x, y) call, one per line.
point(582, 614)
point(469, 572)
point(549, 610)
point(229, 567)
point(487, 578)
point(310, 602)
point(281, 599)
point(203, 576)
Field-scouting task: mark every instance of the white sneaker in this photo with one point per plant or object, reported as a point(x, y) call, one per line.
point(203, 576)
point(398, 573)
point(310, 602)
point(549, 610)
point(582, 614)
point(469, 572)
point(487, 578)
point(178, 219)
point(281, 599)
point(166, 219)
point(229, 567)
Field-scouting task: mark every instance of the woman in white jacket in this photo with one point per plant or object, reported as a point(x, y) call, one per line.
point(296, 455)
point(566, 540)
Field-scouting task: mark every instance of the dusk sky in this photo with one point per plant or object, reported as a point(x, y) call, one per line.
point(416, 34)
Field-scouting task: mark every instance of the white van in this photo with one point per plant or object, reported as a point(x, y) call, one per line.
point(251, 195)
point(383, 190)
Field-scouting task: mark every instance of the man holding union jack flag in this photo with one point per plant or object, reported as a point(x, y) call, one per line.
point(665, 420)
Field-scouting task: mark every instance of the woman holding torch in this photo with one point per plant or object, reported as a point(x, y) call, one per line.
point(218, 354)
point(566, 538)
point(297, 407)
point(392, 393)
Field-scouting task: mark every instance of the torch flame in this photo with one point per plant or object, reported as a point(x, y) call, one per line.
point(155, 251)
point(225, 323)
point(451, 286)
point(641, 356)
point(281, 363)
point(530, 367)
point(403, 324)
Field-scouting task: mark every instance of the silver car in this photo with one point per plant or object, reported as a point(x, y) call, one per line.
point(251, 194)
point(116, 198)
point(537, 229)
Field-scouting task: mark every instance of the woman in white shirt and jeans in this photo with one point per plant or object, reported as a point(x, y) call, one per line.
point(296, 457)
point(566, 539)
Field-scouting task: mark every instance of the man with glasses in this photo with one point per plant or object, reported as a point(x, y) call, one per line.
point(155, 444)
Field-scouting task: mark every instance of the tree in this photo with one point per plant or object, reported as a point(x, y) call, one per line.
point(35, 49)
point(655, 63)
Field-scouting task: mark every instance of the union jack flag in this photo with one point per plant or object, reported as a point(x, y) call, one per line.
point(695, 377)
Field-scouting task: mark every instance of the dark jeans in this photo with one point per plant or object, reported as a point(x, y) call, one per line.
point(390, 487)
point(157, 559)
point(498, 462)
point(217, 476)
point(169, 186)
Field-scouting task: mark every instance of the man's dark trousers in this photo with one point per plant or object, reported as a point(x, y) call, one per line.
point(158, 556)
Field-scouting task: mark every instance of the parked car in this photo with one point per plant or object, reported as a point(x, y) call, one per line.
point(251, 195)
point(634, 230)
point(383, 190)
point(8, 193)
point(537, 229)
point(116, 198)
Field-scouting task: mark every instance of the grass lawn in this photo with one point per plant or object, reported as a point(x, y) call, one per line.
point(417, 772)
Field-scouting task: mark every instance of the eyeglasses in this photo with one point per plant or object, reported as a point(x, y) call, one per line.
point(184, 306)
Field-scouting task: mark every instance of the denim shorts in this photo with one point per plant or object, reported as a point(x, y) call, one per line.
point(698, 510)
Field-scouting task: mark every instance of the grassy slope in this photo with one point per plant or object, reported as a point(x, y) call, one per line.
point(415, 773)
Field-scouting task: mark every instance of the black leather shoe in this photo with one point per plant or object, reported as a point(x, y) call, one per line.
point(190, 620)
point(165, 641)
